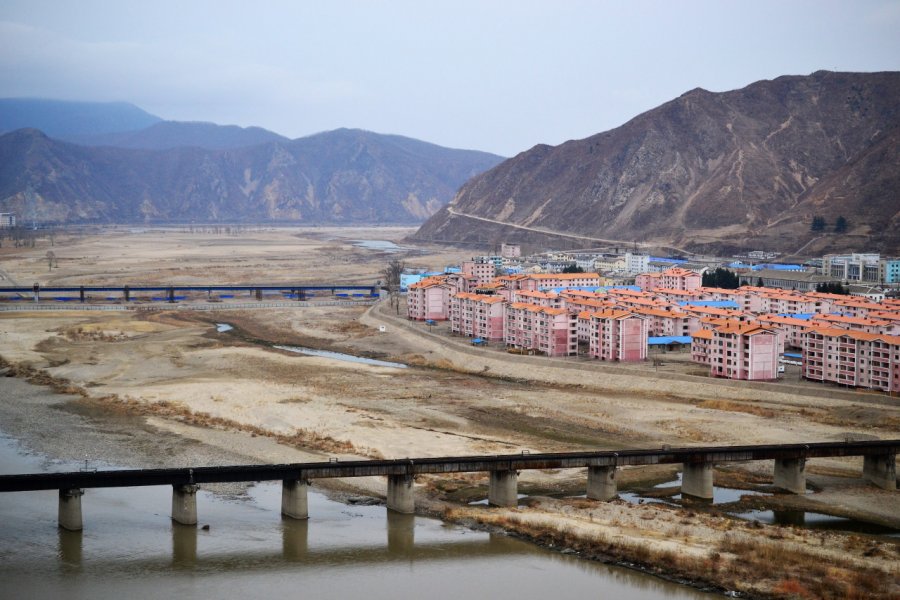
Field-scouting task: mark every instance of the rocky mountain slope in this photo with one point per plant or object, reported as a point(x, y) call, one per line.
point(738, 170)
point(342, 176)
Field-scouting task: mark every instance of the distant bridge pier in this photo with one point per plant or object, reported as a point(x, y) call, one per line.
point(36, 290)
point(697, 480)
point(504, 488)
point(790, 475)
point(70, 509)
point(81, 294)
point(400, 497)
point(126, 291)
point(601, 483)
point(170, 295)
point(881, 469)
point(294, 501)
point(259, 293)
point(184, 504)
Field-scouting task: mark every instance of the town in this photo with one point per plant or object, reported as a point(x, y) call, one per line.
point(554, 305)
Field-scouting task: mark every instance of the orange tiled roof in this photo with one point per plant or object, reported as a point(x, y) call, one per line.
point(893, 340)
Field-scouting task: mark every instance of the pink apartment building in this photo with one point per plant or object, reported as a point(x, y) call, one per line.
point(477, 316)
point(673, 322)
point(852, 358)
point(541, 281)
point(738, 350)
point(484, 271)
point(865, 324)
point(793, 329)
point(428, 299)
point(617, 335)
point(547, 330)
point(675, 278)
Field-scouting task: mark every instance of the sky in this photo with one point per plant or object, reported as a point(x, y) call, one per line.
point(492, 75)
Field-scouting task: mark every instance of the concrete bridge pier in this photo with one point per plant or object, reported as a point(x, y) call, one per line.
point(504, 488)
point(881, 469)
point(293, 498)
point(601, 483)
point(184, 504)
point(400, 496)
point(70, 509)
point(81, 294)
point(790, 474)
point(126, 292)
point(697, 480)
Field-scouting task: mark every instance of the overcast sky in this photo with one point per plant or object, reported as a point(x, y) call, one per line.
point(499, 76)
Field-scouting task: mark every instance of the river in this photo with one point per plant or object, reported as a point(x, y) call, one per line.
point(131, 548)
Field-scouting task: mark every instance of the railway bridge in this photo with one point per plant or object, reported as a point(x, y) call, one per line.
point(173, 292)
point(879, 467)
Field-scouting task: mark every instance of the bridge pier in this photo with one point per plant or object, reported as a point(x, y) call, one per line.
point(70, 509)
point(881, 469)
point(790, 474)
point(81, 294)
point(504, 488)
point(294, 499)
point(601, 483)
point(184, 504)
point(697, 480)
point(400, 496)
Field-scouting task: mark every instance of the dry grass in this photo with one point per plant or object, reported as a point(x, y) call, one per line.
point(730, 406)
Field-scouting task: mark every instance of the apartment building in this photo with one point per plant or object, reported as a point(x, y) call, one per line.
point(543, 281)
point(793, 329)
point(864, 324)
point(852, 358)
point(674, 278)
point(484, 268)
point(428, 299)
point(541, 329)
point(477, 316)
point(736, 350)
point(617, 335)
point(665, 322)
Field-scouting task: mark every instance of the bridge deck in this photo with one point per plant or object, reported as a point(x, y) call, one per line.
point(458, 464)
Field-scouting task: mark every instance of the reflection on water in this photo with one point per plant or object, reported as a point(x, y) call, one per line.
point(382, 245)
point(812, 520)
point(131, 548)
point(341, 356)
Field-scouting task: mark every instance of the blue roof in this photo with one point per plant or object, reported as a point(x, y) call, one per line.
point(669, 339)
point(804, 316)
point(581, 288)
point(792, 355)
point(760, 266)
point(711, 303)
point(667, 260)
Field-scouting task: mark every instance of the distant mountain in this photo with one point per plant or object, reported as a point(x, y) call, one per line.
point(60, 118)
point(343, 176)
point(165, 135)
point(739, 170)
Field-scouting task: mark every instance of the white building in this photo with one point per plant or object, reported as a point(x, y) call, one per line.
point(636, 263)
point(7, 220)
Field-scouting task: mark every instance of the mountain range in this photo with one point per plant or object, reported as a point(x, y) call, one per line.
point(167, 171)
point(731, 171)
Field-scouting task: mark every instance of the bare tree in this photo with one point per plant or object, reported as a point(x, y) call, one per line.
point(51, 258)
point(391, 275)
